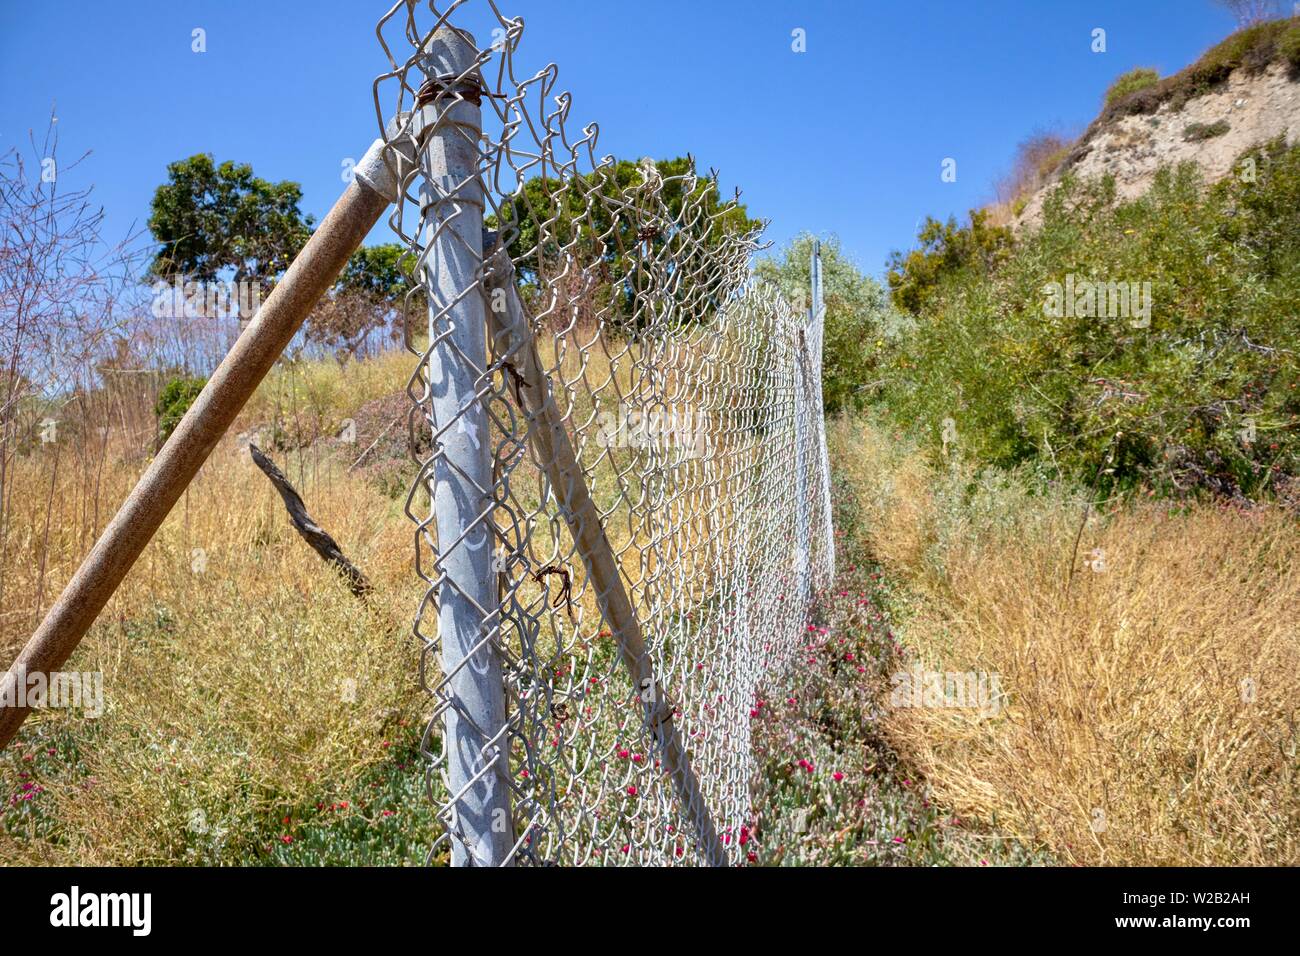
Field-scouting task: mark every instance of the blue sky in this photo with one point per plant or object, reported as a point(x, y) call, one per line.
point(845, 138)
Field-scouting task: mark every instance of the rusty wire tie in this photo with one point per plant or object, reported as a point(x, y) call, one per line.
point(468, 88)
point(565, 596)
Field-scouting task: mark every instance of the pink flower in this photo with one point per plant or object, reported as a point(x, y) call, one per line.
point(631, 791)
point(837, 776)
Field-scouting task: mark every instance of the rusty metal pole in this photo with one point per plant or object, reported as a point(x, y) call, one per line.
point(313, 271)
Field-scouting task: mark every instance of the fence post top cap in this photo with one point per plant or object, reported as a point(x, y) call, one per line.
point(450, 53)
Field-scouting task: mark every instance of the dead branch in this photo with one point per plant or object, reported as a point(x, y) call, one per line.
point(311, 532)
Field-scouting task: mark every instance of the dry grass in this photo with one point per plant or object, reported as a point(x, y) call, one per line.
point(1152, 704)
point(228, 652)
point(226, 658)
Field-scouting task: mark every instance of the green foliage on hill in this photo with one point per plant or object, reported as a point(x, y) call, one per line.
point(1195, 387)
point(1131, 82)
point(944, 249)
point(859, 321)
point(174, 401)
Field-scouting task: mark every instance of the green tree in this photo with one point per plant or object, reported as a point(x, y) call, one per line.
point(604, 216)
point(209, 218)
point(945, 250)
point(377, 271)
point(859, 321)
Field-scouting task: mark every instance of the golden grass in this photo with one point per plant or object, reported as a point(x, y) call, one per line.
point(226, 652)
point(238, 671)
point(1153, 704)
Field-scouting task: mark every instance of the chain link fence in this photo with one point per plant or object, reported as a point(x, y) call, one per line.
point(625, 515)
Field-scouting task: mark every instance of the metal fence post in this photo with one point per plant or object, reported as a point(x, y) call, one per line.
point(816, 335)
point(803, 429)
point(449, 127)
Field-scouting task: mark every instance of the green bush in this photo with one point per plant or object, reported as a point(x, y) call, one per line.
point(858, 318)
point(1131, 82)
point(944, 250)
point(1201, 393)
point(174, 401)
point(1288, 47)
point(1196, 132)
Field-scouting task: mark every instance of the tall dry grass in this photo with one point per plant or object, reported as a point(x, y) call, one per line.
point(240, 676)
point(1152, 676)
point(230, 652)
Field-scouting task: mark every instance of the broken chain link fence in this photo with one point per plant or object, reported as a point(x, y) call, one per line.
point(625, 515)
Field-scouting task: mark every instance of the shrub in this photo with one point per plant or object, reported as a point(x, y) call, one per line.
point(174, 401)
point(1036, 159)
point(1202, 393)
point(946, 252)
point(1288, 47)
point(858, 317)
point(1130, 82)
point(1196, 132)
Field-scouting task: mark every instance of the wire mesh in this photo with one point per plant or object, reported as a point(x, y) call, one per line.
point(690, 394)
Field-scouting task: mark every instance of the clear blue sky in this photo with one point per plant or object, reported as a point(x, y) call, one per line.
point(847, 138)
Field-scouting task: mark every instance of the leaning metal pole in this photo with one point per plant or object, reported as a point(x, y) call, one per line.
point(448, 126)
point(312, 272)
